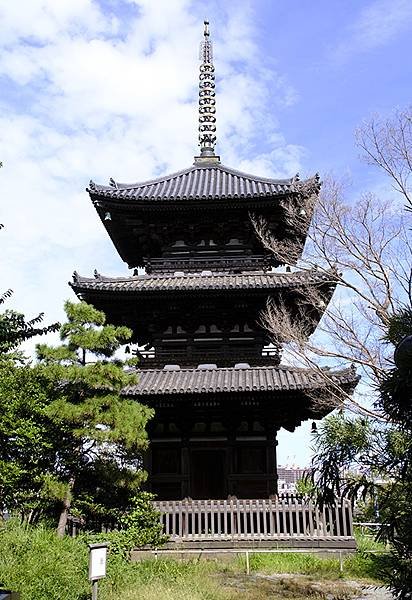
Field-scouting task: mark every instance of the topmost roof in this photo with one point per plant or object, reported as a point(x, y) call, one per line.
point(200, 181)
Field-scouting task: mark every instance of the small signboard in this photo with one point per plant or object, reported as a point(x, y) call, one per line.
point(97, 561)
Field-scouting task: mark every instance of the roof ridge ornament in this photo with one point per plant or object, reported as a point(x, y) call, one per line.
point(207, 101)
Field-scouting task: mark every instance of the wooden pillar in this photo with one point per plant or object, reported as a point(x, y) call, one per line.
point(185, 468)
point(230, 457)
point(231, 423)
point(271, 460)
point(147, 458)
point(185, 458)
point(147, 466)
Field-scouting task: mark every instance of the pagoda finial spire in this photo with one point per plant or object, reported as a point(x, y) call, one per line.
point(207, 102)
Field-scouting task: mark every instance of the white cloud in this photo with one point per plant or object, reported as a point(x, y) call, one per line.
point(376, 25)
point(43, 20)
point(89, 94)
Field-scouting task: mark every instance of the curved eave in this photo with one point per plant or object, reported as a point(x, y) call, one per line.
point(113, 296)
point(211, 182)
point(256, 380)
point(198, 203)
point(204, 283)
point(286, 394)
point(200, 181)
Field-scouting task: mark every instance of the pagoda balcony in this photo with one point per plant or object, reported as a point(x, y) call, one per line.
point(222, 356)
point(194, 263)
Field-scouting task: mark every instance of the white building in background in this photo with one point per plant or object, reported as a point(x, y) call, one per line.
point(288, 476)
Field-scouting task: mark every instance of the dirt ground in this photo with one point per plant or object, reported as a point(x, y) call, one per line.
point(297, 587)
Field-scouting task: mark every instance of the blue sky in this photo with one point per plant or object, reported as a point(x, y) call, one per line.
point(96, 89)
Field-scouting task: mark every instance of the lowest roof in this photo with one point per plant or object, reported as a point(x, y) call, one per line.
point(247, 379)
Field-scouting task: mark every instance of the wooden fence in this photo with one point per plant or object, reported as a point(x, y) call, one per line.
point(235, 520)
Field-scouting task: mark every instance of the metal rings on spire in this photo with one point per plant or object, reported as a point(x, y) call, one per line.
point(207, 97)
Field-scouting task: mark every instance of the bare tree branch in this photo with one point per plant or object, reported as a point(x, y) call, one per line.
point(366, 246)
point(387, 144)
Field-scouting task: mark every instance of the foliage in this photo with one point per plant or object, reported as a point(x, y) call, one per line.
point(41, 566)
point(306, 487)
point(142, 522)
point(27, 442)
point(104, 489)
point(342, 443)
point(14, 329)
point(67, 436)
point(139, 526)
point(365, 564)
point(101, 432)
point(400, 325)
point(396, 401)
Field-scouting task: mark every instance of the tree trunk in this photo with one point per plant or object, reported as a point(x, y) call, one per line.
point(66, 502)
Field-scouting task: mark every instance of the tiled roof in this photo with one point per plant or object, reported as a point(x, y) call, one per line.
point(206, 281)
point(218, 380)
point(197, 182)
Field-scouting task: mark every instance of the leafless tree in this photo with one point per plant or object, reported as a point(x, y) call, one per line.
point(387, 144)
point(364, 246)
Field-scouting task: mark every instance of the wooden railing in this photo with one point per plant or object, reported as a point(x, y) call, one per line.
point(223, 356)
point(289, 518)
point(285, 518)
point(194, 262)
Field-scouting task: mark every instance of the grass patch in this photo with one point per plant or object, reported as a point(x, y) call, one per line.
point(41, 566)
point(306, 564)
point(356, 566)
point(366, 564)
point(369, 562)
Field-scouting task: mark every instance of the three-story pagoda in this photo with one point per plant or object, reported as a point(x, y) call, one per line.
point(207, 364)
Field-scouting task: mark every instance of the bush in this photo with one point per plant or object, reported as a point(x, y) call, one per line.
point(139, 527)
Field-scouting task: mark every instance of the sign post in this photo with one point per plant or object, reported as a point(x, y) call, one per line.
point(97, 565)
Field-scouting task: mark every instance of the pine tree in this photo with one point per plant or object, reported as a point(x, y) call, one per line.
point(95, 422)
point(395, 401)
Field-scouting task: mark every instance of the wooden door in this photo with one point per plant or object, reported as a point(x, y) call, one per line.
point(208, 474)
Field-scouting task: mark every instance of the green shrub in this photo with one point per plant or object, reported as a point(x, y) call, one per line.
point(140, 526)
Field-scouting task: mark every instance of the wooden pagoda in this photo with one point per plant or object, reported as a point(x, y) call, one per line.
point(202, 277)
